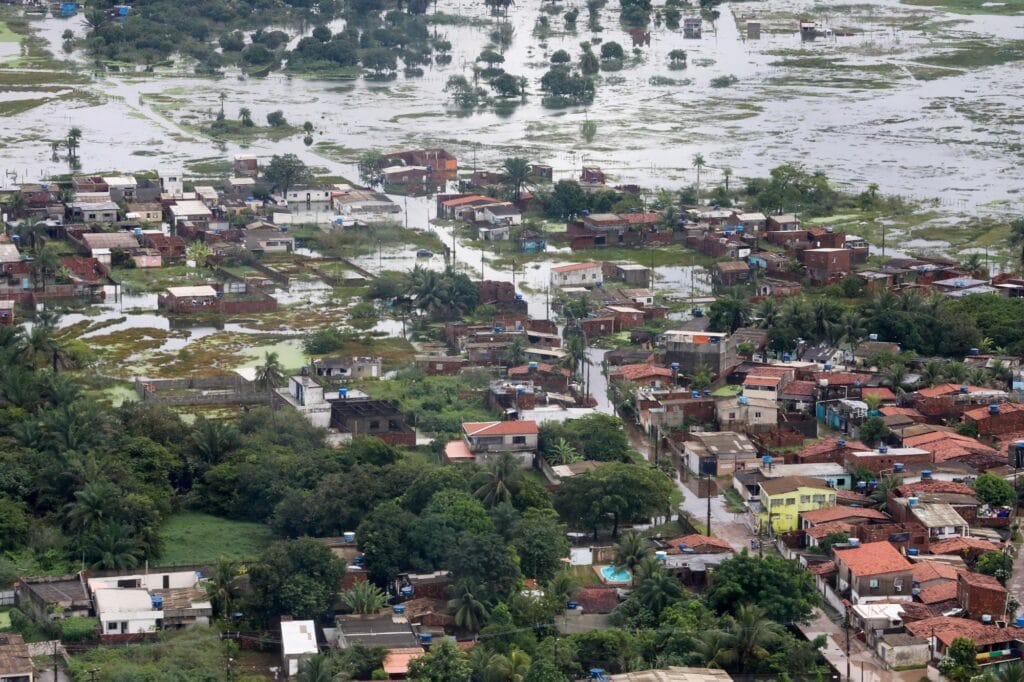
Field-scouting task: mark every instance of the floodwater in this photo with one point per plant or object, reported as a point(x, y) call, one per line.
point(867, 120)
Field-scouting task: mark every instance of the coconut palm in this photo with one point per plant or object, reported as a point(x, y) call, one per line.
point(563, 453)
point(894, 376)
point(630, 550)
point(515, 173)
point(91, 509)
point(496, 484)
point(699, 163)
point(469, 612)
point(873, 401)
point(515, 353)
point(319, 668)
point(45, 262)
point(562, 586)
point(270, 374)
point(77, 427)
point(1011, 672)
point(364, 598)
point(40, 348)
point(657, 590)
point(767, 313)
point(213, 440)
point(726, 175)
point(974, 263)
point(715, 648)
point(931, 372)
point(245, 116)
point(223, 587)
point(752, 633)
point(113, 548)
point(701, 378)
point(576, 349)
point(880, 495)
point(30, 233)
point(955, 372)
point(1017, 239)
point(503, 515)
point(74, 136)
point(1001, 373)
point(510, 668)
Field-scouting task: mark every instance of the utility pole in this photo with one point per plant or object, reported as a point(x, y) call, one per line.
point(846, 626)
point(709, 501)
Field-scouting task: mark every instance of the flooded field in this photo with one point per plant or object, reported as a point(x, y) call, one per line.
point(914, 98)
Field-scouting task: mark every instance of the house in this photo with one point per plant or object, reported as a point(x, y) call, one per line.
point(696, 544)
point(499, 214)
point(531, 241)
point(830, 473)
point(190, 299)
point(873, 571)
point(306, 396)
point(827, 265)
point(378, 418)
point(782, 223)
point(549, 377)
point(441, 365)
point(633, 274)
point(15, 660)
point(868, 349)
point(719, 453)
point(940, 519)
point(246, 165)
point(853, 516)
point(784, 499)
point(730, 273)
point(692, 27)
point(981, 595)
point(98, 243)
point(398, 659)
point(348, 367)
point(188, 211)
point(587, 274)
point(487, 440)
point(146, 258)
point(885, 459)
point(130, 607)
point(742, 413)
point(308, 194)
point(995, 645)
point(172, 184)
point(298, 644)
point(694, 350)
point(93, 211)
point(386, 629)
point(997, 419)
point(172, 249)
point(439, 161)
point(748, 222)
point(269, 241)
point(645, 374)
point(671, 673)
point(150, 212)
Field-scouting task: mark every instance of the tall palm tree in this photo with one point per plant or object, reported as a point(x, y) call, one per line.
point(657, 590)
point(113, 548)
point(562, 586)
point(92, 508)
point(510, 668)
point(469, 612)
point(931, 373)
point(630, 551)
point(715, 648)
point(698, 163)
point(73, 138)
point(270, 374)
point(701, 378)
point(497, 482)
point(45, 262)
point(319, 668)
point(29, 234)
point(752, 632)
point(39, 348)
point(726, 174)
point(955, 371)
point(1017, 239)
point(974, 264)
point(767, 313)
point(245, 116)
point(223, 587)
point(515, 173)
point(576, 349)
point(880, 495)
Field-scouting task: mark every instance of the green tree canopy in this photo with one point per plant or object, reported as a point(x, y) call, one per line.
point(783, 588)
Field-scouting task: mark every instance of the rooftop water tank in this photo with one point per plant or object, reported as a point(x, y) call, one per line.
point(853, 542)
point(137, 231)
point(897, 467)
point(913, 551)
point(873, 337)
point(882, 449)
point(426, 638)
point(342, 393)
point(399, 609)
point(828, 367)
point(661, 556)
point(841, 442)
point(695, 394)
point(767, 459)
point(912, 501)
point(974, 351)
point(926, 475)
point(964, 389)
point(157, 601)
point(993, 409)
point(986, 618)
point(406, 590)
point(349, 536)
point(1019, 621)
point(675, 366)
point(571, 605)
point(596, 673)
point(707, 392)
point(532, 365)
point(744, 400)
point(786, 357)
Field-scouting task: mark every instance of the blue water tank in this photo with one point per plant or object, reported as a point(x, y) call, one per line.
point(974, 351)
point(157, 601)
point(675, 366)
point(399, 609)
point(786, 357)
point(406, 591)
point(426, 638)
point(926, 475)
point(695, 394)
point(532, 365)
point(1019, 621)
point(342, 393)
point(743, 400)
point(897, 467)
point(964, 389)
point(220, 294)
point(993, 409)
point(137, 231)
point(766, 459)
point(349, 536)
point(597, 673)
point(571, 605)
point(707, 392)
point(828, 367)
point(882, 449)
point(912, 551)
point(841, 442)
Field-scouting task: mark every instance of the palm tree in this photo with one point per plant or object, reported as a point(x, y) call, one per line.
point(873, 401)
point(752, 632)
point(503, 516)
point(92, 507)
point(213, 440)
point(270, 373)
point(1012, 672)
point(726, 174)
point(576, 349)
point(767, 313)
point(73, 138)
point(630, 551)
point(955, 371)
point(28, 234)
point(431, 293)
point(222, 97)
point(974, 264)
point(245, 116)
point(515, 173)
point(39, 348)
point(563, 453)
point(364, 598)
point(657, 590)
point(715, 648)
point(223, 587)
point(894, 375)
point(562, 586)
point(469, 612)
point(1017, 238)
point(515, 354)
point(698, 163)
point(880, 495)
point(59, 389)
point(1001, 373)
point(511, 668)
point(701, 378)
point(318, 668)
point(114, 548)
point(498, 481)
point(931, 373)
point(45, 261)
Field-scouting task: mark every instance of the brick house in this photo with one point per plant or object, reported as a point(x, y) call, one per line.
point(378, 418)
point(827, 264)
point(997, 419)
point(549, 377)
point(874, 571)
point(980, 594)
point(730, 273)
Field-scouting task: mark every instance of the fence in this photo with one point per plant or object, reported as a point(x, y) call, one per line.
point(7, 597)
point(225, 390)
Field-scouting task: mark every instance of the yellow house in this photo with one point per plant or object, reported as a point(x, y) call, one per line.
point(783, 499)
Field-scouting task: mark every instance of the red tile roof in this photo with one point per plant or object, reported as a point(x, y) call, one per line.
point(958, 545)
point(830, 514)
point(946, 389)
point(597, 599)
point(769, 371)
point(852, 497)
point(509, 428)
point(457, 450)
point(822, 530)
point(459, 201)
point(939, 592)
point(928, 571)
point(762, 381)
point(640, 218)
point(801, 388)
point(541, 367)
point(822, 568)
point(981, 580)
point(636, 372)
point(892, 411)
point(827, 445)
point(396, 661)
point(873, 558)
point(933, 486)
point(945, 445)
point(840, 378)
point(946, 629)
point(981, 413)
point(882, 392)
point(574, 266)
point(696, 542)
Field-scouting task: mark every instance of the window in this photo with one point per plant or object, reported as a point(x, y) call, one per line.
point(790, 501)
point(518, 440)
point(111, 626)
point(818, 498)
point(374, 425)
point(873, 583)
point(776, 503)
point(804, 499)
point(757, 415)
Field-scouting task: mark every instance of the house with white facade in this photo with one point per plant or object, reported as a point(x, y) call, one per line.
point(587, 274)
point(133, 606)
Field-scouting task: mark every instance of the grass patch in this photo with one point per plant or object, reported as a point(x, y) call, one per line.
point(5, 620)
point(158, 279)
point(15, 107)
point(193, 538)
point(977, 54)
point(585, 576)
point(733, 501)
point(1006, 7)
point(7, 35)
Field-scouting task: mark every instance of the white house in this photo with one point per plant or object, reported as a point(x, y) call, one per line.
point(139, 604)
point(485, 441)
point(298, 644)
point(172, 184)
point(587, 274)
point(499, 214)
point(308, 194)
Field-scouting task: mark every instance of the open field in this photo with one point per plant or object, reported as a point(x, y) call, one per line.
point(192, 538)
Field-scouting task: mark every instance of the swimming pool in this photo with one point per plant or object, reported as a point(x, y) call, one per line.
point(614, 574)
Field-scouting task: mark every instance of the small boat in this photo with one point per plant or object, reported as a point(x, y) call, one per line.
point(424, 253)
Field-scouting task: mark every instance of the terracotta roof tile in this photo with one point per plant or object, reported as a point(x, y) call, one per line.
point(634, 372)
point(946, 389)
point(800, 388)
point(947, 629)
point(939, 592)
point(823, 529)
point(981, 580)
point(892, 410)
point(928, 571)
point(873, 558)
point(697, 542)
point(788, 484)
point(933, 486)
point(958, 545)
point(982, 413)
point(597, 599)
point(571, 267)
point(822, 568)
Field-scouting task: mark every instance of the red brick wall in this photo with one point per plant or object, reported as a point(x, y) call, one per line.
point(1002, 423)
point(878, 464)
point(980, 600)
